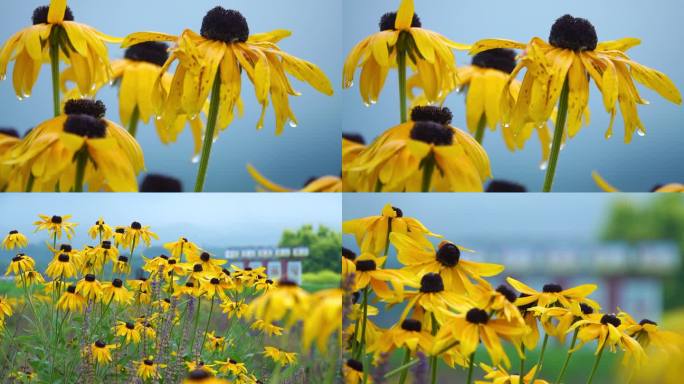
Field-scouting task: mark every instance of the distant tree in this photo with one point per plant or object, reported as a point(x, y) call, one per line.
point(659, 219)
point(324, 246)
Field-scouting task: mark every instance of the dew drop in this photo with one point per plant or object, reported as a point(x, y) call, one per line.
point(292, 124)
point(641, 132)
point(543, 165)
point(195, 159)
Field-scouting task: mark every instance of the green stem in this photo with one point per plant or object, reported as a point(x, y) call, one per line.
point(401, 69)
point(596, 364)
point(54, 64)
point(428, 170)
point(481, 128)
point(204, 339)
point(567, 358)
point(470, 368)
point(133, 125)
point(557, 136)
point(541, 358)
point(81, 162)
point(404, 373)
point(209, 132)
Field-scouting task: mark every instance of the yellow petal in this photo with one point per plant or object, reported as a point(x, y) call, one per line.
point(404, 15)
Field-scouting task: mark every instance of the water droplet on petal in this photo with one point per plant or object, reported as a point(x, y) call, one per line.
point(641, 132)
point(195, 159)
point(543, 165)
point(292, 124)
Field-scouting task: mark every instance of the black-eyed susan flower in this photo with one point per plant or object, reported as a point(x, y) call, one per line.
point(20, 263)
point(401, 36)
point(286, 302)
point(56, 225)
point(61, 266)
point(314, 184)
point(552, 293)
point(137, 234)
point(352, 145)
point(89, 287)
point(323, 320)
point(56, 35)
point(231, 366)
point(71, 300)
point(372, 232)
point(279, 356)
point(424, 154)
point(499, 375)
point(409, 334)
point(560, 71)
point(100, 230)
point(457, 273)
point(116, 291)
point(101, 352)
point(607, 187)
point(129, 331)
point(149, 369)
point(181, 247)
point(474, 325)
point(212, 62)
point(76, 149)
point(352, 371)
point(14, 239)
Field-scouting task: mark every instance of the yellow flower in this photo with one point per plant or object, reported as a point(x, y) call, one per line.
point(101, 352)
point(81, 147)
point(281, 357)
point(424, 154)
point(552, 293)
point(267, 328)
point(181, 247)
point(129, 331)
point(61, 266)
point(473, 325)
point(401, 35)
point(14, 239)
point(231, 366)
point(352, 145)
point(286, 302)
point(55, 225)
point(607, 187)
point(54, 31)
point(20, 263)
point(323, 319)
point(608, 331)
point(408, 334)
point(71, 301)
point(218, 55)
point(372, 232)
point(137, 232)
point(353, 372)
point(446, 260)
point(314, 184)
point(498, 375)
point(116, 291)
point(89, 288)
point(147, 369)
point(570, 58)
point(100, 229)
point(5, 308)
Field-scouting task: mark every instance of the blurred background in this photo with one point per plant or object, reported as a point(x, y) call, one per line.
point(311, 149)
point(217, 223)
point(653, 159)
point(631, 246)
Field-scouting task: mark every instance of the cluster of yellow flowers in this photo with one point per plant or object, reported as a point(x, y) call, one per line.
point(425, 153)
point(79, 147)
point(156, 323)
point(449, 308)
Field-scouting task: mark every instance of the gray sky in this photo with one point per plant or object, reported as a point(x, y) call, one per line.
point(208, 219)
